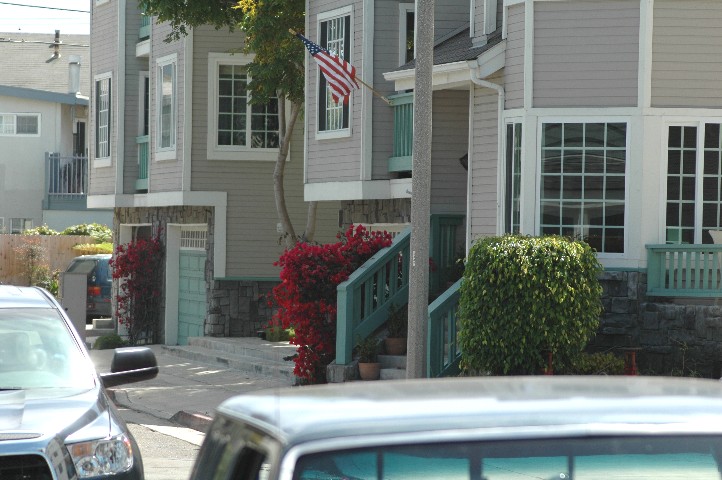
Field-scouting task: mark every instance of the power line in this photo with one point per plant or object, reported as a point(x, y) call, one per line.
point(48, 8)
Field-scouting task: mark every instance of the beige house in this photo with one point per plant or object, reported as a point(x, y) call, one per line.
point(175, 148)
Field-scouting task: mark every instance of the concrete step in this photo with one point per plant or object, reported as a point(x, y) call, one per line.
point(393, 367)
point(250, 355)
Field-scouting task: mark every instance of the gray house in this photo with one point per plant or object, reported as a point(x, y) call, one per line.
point(598, 120)
point(44, 88)
point(175, 148)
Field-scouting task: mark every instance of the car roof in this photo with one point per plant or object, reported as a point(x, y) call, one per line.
point(23, 297)
point(97, 256)
point(576, 405)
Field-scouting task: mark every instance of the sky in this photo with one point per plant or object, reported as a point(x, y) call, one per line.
point(30, 16)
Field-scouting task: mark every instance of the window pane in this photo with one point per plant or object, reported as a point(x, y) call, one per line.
point(712, 136)
point(573, 134)
point(590, 180)
point(675, 137)
point(166, 114)
point(572, 162)
point(27, 124)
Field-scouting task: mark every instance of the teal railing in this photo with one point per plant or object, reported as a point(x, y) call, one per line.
point(443, 347)
point(443, 250)
point(364, 299)
point(145, 21)
point(403, 105)
point(143, 142)
point(681, 270)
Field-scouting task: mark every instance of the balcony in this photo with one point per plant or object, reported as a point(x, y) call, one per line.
point(66, 182)
point(142, 48)
point(141, 183)
point(683, 270)
point(403, 105)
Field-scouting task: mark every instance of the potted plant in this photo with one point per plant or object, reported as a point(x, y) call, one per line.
point(368, 364)
point(397, 325)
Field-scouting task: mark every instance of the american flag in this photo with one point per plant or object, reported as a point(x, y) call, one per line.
point(340, 75)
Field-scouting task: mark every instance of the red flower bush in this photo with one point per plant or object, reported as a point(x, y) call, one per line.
point(306, 296)
point(138, 266)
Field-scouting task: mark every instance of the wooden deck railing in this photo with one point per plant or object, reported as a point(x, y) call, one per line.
point(675, 270)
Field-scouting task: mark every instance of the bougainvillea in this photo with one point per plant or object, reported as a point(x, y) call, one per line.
point(306, 296)
point(138, 267)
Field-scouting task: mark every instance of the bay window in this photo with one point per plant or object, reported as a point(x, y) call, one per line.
point(583, 186)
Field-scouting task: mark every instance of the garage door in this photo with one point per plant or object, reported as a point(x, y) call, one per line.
point(191, 286)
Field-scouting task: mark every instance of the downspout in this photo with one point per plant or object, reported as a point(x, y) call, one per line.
point(477, 80)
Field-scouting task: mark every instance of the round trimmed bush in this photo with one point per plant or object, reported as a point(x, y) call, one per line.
point(522, 297)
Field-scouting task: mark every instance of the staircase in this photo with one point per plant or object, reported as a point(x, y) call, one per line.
point(246, 354)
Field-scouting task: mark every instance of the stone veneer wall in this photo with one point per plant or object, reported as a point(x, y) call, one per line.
point(375, 211)
point(239, 308)
point(674, 336)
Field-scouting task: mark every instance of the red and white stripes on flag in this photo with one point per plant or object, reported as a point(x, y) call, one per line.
point(340, 75)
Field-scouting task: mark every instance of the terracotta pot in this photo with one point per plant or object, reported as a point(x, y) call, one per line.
point(369, 371)
point(395, 345)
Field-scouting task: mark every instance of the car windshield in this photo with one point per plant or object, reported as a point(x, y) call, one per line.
point(82, 266)
point(38, 351)
point(649, 457)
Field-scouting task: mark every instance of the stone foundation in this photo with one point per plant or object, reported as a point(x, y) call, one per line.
point(675, 336)
point(396, 210)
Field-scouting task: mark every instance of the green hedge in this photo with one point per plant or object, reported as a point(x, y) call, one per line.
point(524, 296)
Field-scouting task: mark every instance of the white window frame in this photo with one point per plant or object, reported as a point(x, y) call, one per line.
point(104, 161)
point(14, 132)
point(168, 152)
point(699, 175)
point(321, 18)
point(404, 9)
point(24, 224)
point(541, 121)
point(231, 152)
point(512, 122)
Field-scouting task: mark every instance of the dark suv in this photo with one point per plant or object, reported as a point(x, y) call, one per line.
point(56, 420)
point(100, 280)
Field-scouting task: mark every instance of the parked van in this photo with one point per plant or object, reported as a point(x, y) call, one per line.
point(100, 279)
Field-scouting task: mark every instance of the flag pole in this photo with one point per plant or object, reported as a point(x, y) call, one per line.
point(388, 102)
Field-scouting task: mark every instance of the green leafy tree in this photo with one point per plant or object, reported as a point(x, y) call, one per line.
point(277, 69)
point(523, 297)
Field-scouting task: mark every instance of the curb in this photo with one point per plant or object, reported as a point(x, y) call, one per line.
point(194, 420)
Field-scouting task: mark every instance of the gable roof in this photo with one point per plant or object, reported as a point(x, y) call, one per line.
point(456, 48)
point(23, 61)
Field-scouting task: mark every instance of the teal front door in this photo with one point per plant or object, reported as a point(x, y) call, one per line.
point(191, 295)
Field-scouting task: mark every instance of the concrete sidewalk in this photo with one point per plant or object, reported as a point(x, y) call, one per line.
point(185, 392)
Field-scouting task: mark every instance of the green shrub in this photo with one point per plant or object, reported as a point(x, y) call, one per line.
point(279, 334)
point(524, 296)
point(105, 342)
point(593, 364)
point(41, 230)
point(93, 248)
point(100, 233)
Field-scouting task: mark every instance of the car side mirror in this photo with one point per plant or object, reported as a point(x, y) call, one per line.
point(130, 364)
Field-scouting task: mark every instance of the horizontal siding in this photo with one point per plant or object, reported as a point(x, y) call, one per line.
point(483, 165)
point(449, 16)
point(514, 61)
point(334, 159)
point(166, 176)
point(386, 59)
point(450, 140)
point(252, 240)
point(687, 41)
point(586, 54)
point(133, 101)
point(104, 58)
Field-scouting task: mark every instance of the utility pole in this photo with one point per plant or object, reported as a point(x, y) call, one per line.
point(421, 193)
